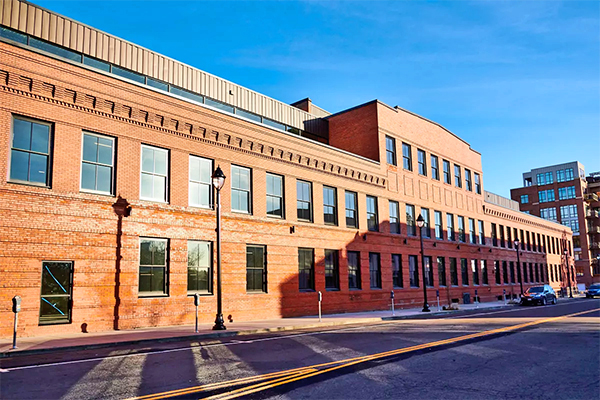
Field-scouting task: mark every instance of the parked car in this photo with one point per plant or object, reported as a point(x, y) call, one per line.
point(593, 290)
point(539, 295)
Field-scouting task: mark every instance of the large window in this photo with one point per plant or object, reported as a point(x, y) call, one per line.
point(397, 271)
point(464, 271)
point(304, 200)
point(502, 239)
point(241, 189)
point(30, 152)
point(97, 163)
point(426, 230)
point(472, 234)
point(256, 269)
point(199, 266)
point(372, 218)
point(524, 198)
point(155, 173)
point(275, 195)
point(422, 162)
point(56, 292)
point(201, 170)
point(461, 229)
point(390, 150)
point(565, 193)
point(406, 156)
point(484, 272)
point(457, 176)
point(546, 195)
point(512, 272)
point(153, 267)
point(410, 220)
point(477, 183)
point(413, 271)
point(428, 278)
point(375, 270)
point(468, 182)
point(330, 205)
point(435, 168)
point(544, 178)
point(505, 272)
point(306, 269)
point(453, 272)
point(475, 272)
point(447, 175)
point(441, 262)
point(548, 213)
point(450, 226)
point(351, 210)
point(394, 217)
point(560, 175)
point(569, 174)
point(568, 217)
point(439, 230)
point(494, 235)
point(497, 272)
point(481, 233)
point(354, 270)
point(332, 270)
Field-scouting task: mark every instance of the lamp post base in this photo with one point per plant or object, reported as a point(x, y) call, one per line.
point(219, 323)
point(426, 308)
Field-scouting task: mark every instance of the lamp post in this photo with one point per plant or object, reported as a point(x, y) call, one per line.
point(568, 268)
point(420, 223)
point(517, 243)
point(218, 179)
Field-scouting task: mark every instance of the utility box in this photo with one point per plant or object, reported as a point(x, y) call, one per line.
point(466, 298)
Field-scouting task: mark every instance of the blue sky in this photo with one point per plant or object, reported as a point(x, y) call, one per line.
point(519, 81)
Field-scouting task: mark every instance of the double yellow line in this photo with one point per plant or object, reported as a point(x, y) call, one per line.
point(275, 379)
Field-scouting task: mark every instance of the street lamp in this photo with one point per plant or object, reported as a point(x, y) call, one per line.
point(568, 272)
point(218, 179)
point(420, 223)
point(517, 243)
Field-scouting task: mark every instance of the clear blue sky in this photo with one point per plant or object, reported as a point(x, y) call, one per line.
point(519, 81)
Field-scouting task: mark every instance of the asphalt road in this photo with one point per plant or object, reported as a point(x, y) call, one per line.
point(518, 353)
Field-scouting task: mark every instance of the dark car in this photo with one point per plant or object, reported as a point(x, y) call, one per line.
point(593, 290)
point(539, 295)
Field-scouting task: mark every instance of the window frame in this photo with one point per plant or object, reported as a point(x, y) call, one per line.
point(311, 270)
point(333, 269)
point(281, 198)
point(333, 206)
point(468, 181)
point(397, 278)
point(411, 221)
point(262, 269)
point(248, 191)
point(354, 210)
point(422, 162)
point(407, 156)
point(49, 155)
point(447, 172)
point(394, 210)
point(374, 213)
point(208, 184)
point(477, 183)
point(390, 153)
point(457, 176)
point(355, 271)
point(439, 226)
point(209, 269)
point(442, 282)
point(309, 201)
point(166, 269)
point(435, 167)
point(375, 272)
point(166, 176)
point(413, 271)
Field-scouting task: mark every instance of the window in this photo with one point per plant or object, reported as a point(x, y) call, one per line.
point(447, 176)
point(375, 270)
point(256, 269)
point(524, 198)
point(548, 213)
point(453, 272)
point(390, 150)
point(549, 178)
point(413, 271)
point(481, 233)
point(435, 168)
point(411, 229)
point(450, 226)
point(494, 236)
point(468, 182)
point(304, 200)
point(394, 219)
point(332, 270)
point(508, 238)
point(274, 195)
point(525, 280)
point(472, 234)
point(353, 270)
point(439, 231)
point(484, 275)
point(457, 176)
point(461, 229)
point(426, 230)
point(199, 266)
point(428, 271)
point(537, 272)
point(153, 267)
point(546, 195)
point(406, 157)
point(464, 271)
point(372, 218)
point(241, 196)
point(306, 269)
point(154, 174)
point(566, 193)
point(201, 170)
point(512, 272)
point(522, 240)
point(30, 152)
point(497, 272)
point(441, 262)
point(56, 292)
point(475, 272)
point(502, 241)
point(351, 210)
point(569, 174)
point(505, 271)
point(477, 183)
point(329, 205)
point(544, 178)
point(422, 162)
point(97, 163)
point(568, 217)
point(397, 271)
point(560, 175)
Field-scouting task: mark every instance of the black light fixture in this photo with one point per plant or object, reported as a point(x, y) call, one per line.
point(420, 224)
point(516, 242)
point(218, 180)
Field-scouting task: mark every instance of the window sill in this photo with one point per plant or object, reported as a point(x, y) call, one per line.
point(307, 290)
point(107, 194)
point(398, 287)
point(256, 292)
point(25, 183)
point(201, 293)
point(154, 200)
point(354, 289)
point(209, 208)
point(375, 288)
point(332, 289)
point(152, 295)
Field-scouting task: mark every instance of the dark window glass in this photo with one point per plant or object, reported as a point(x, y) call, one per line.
point(97, 163)
point(372, 217)
point(351, 210)
point(92, 62)
point(221, 106)
point(187, 94)
point(411, 228)
point(55, 299)
point(509, 242)
point(354, 270)
point(413, 271)
point(375, 270)
point(12, 35)
point(54, 49)
point(274, 195)
point(390, 149)
point(481, 233)
point(472, 233)
point(475, 272)
point(428, 270)
point(330, 205)
point(457, 176)
point(30, 152)
point(453, 272)
point(477, 183)
point(249, 115)
point(422, 162)
point(461, 229)
point(397, 271)
point(468, 182)
point(426, 229)
point(306, 269)
point(439, 230)
point(512, 272)
point(505, 272)
point(447, 175)
point(450, 225)
point(394, 217)
point(497, 272)
point(256, 269)
point(441, 262)
point(274, 124)
point(241, 189)
point(153, 266)
point(494, 235)
point(158, 84)
point(484, 272)
point(406, 157)
point(332, 270)
point(435, 169)
point(304, 200)
point(199, 266)
point(464, 270)
point(125, 73)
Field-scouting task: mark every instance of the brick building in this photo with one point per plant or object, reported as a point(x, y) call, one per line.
point(107, 206)
point(562, 193)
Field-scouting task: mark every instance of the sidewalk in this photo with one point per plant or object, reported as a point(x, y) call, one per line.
point(83, 341)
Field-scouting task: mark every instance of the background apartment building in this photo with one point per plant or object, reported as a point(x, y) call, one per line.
point(562, 193)
point(108, 216)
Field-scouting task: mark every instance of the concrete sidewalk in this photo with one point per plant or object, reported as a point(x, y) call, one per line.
point(81, 341)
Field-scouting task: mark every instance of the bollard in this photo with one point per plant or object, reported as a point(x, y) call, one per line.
point(196, 303)
point(320, 300)
point(437, 294)
point(16, 307)
point(392, 297)
point(504, 295)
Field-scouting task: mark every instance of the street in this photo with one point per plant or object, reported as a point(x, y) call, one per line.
point(522, 352)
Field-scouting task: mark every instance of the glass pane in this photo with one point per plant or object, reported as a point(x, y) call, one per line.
point(50, 48)
point(14, 36)
point(205, 170)
point(235, 177)
point(244, 206)
point(159, 188)
point(52, 308)
point(145, 279)
point(244, 179)
point(37, 169)
point(147, 159)
point(194, 169)
point(56, 278)
point(104, 179)
point(105, 151)
point(204, 195)
point(128, 74)
point(21, 134)
point(157, 84)
point(19, 165)
point(39, 138)
point(193, 254)
point(194, 194)
point(203, 279)
point(92, 62)
point(90, 144)
point(158, 248)
point(145, 253)
point(88, 176)
point(160, 162)
point(158, 280)
point(235, 200)
point(147, 190)
point(192, 279)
